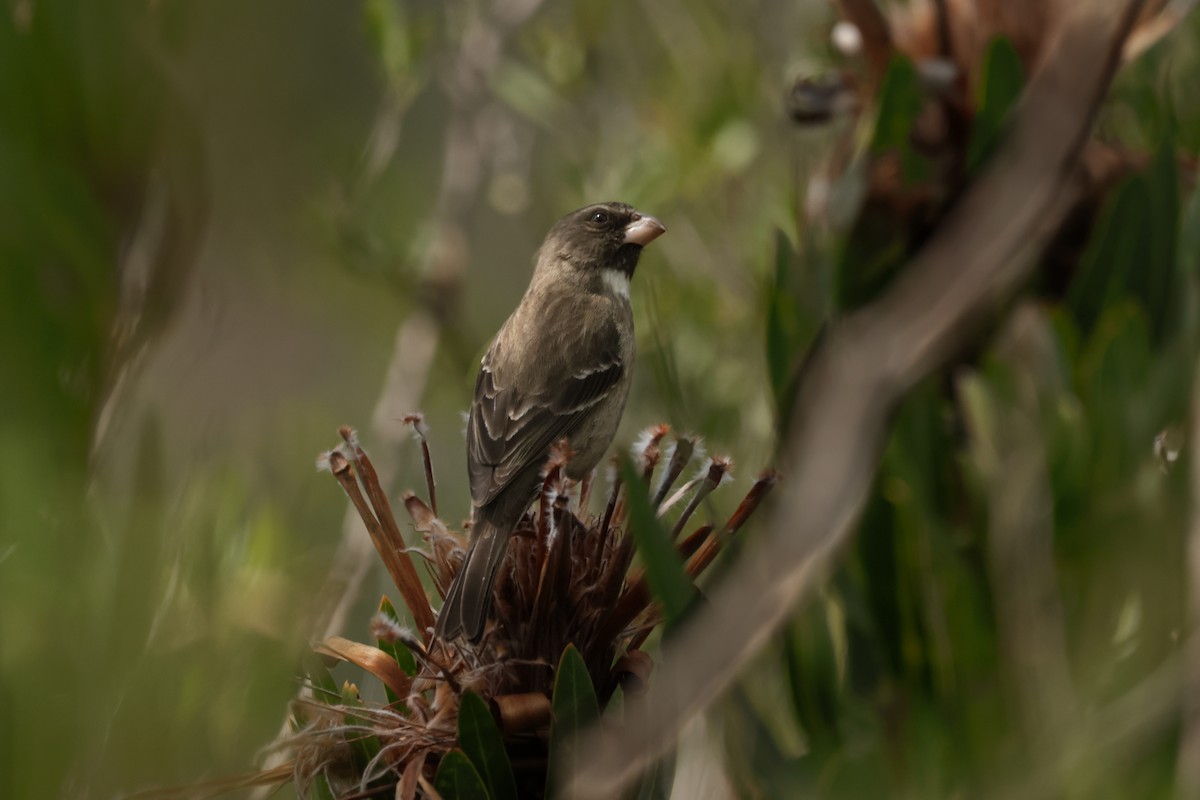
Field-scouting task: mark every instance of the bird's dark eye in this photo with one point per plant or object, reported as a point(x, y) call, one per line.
point(600, 217)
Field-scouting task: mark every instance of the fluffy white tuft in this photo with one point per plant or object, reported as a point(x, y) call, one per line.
point(616, 281)
point(389, 630)
point(417, 421)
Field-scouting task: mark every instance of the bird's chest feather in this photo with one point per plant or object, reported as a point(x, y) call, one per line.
point(561, 336)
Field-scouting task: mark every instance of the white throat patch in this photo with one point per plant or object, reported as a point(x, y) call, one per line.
point(616, 281)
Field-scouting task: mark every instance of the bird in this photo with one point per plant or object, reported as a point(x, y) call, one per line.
point(560, 367)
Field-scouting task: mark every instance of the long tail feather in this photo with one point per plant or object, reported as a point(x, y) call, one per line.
point(470, 597)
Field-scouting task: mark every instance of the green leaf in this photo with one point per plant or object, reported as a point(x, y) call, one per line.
point(878, 241)
point(783, 334)
point(810, 658)
point(574, 706)
point(1133, 252)
point(900, 102)
point(1114, 248)
point(1156, 283)
point(1189, 237)
point(457, 778)
point(395, 649)
point(664, 568)
point(1188, 266)
point(364, 746)
point(324, 688)
point(480, 739)
point(999, 88)
point(319, 789)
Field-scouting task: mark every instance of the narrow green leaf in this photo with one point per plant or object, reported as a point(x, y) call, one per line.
point(999, 88)
point(397, 650)
point(900, 102)
point(812, 672)
point(1189, 237)
point(1188, 266)
point(480, 739)
point(574, 705)
point(783, 336)
point(364, 746)
point(1156, 283)
point(1114, 248)
point(878, 241)
point(319, 789)
point(457, 778)
point(664, 569)
point(1133, 252)
point(324, 688)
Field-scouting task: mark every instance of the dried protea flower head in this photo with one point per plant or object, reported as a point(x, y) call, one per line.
point(571, 608)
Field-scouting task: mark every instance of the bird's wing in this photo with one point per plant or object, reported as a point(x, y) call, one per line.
point(512, 427)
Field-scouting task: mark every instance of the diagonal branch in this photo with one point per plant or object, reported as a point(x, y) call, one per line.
point(985, 247)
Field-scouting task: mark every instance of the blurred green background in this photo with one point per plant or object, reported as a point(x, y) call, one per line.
point(215, 216)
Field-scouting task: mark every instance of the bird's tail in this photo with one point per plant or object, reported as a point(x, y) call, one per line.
point(470, 598)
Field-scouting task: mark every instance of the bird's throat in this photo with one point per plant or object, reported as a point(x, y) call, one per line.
point(616, 282)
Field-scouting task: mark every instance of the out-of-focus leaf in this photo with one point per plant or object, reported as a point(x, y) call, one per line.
point(811, 661)
point(664, 568)
point(783, 335)
point(878, 242)
point(388, 28)
point(1155, 282)
point(655, 783)
point(900, 102)
point(1189, 236)
point(1115, 247)
point(1133, 251)
point(998, 90)
point(457, 779)
point(1112, 372)
point(575, 706)
point(528, 92)
point(479, 737)
point(1188, 267)
point(319, 789)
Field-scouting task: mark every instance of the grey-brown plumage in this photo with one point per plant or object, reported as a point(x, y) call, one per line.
point(559, 367)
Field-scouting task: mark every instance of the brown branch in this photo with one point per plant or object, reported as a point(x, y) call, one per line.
point(984, 249)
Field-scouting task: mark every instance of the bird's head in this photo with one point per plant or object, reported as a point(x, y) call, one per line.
point(602, 237)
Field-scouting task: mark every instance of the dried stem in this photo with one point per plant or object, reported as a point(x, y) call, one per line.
point(718, 468)
point(681, 454)
point(385, 534)
point(417, 421)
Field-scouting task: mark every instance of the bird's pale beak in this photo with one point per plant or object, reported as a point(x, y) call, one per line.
point(642, 230)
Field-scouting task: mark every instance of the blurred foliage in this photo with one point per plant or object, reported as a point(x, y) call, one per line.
point(213, 215)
